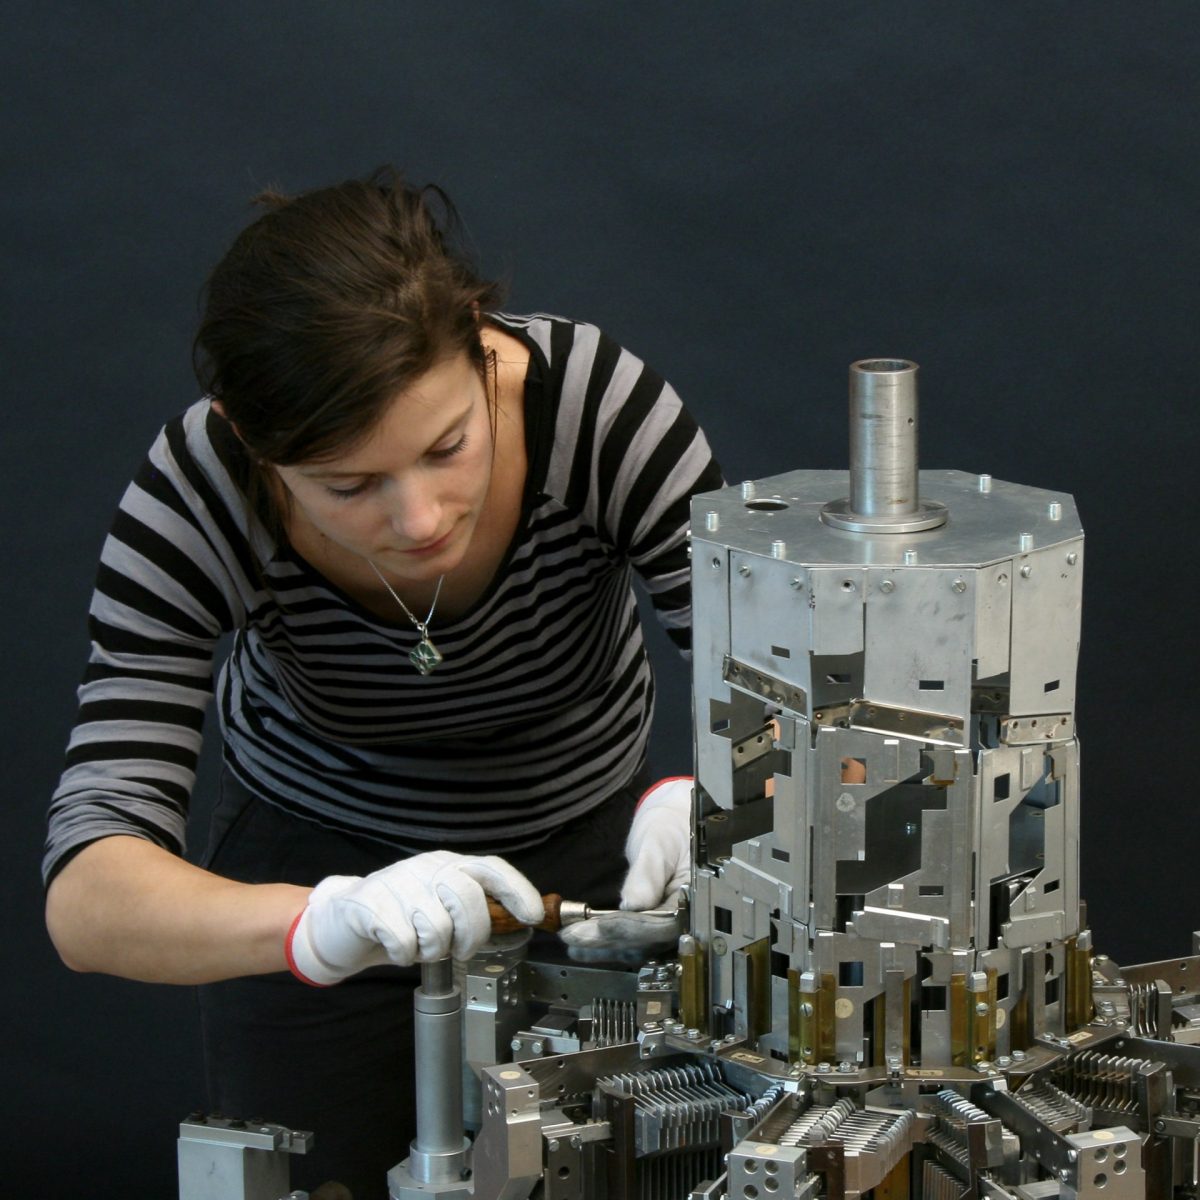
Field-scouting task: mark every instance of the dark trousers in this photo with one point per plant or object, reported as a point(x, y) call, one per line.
point(338, 1061)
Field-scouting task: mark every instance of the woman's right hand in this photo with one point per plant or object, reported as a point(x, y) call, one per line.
point(424, 908)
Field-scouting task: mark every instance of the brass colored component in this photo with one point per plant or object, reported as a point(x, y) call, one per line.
point(1020, 1017)
point(983, 1025)
point(815, 1039)
point(879, 1031)
point(693, 984)
point(895, 1185)
point(758, 987)
point(1078, 985)
point(960, 1032)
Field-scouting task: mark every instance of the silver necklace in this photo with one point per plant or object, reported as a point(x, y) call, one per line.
point(425, 656)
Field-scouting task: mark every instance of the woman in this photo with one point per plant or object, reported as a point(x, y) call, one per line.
point(418, 517)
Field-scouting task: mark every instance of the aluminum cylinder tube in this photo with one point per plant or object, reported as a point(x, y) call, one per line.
point(885, 487)
point(883, 437)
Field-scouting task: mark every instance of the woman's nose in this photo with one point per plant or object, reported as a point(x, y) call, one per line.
point(416, 515)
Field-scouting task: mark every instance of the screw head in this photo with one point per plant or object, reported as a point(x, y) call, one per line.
point(744, 569)
point(887, 587)
point(959, 585)
point(1026, 571)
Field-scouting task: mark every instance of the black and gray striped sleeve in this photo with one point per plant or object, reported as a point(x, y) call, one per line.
point(640, 457)
point(173, 574)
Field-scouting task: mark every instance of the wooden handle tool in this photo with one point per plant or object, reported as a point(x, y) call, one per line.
point(558, 912)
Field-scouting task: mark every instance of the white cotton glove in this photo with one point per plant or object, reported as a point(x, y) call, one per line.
point(658, 849)
point(427, 907)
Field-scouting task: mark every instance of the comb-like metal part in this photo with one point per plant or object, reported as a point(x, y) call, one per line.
point(676, 1125)
point(677, 1107)
point(939, 1184)
point(1054, 1108)
point(614, 1022)
point(874, 1141)
point(1102, 1082)
point(763, 1104)
point(817, 1124)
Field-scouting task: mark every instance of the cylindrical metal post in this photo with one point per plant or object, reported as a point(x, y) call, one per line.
point(438, 1151)
point(885, 483)
point(883, 437)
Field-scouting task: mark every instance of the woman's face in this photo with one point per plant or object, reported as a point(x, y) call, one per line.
point(409, 496)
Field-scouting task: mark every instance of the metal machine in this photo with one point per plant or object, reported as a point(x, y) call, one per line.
point(887, 987)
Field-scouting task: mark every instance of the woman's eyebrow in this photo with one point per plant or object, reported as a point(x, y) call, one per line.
point(317, 471)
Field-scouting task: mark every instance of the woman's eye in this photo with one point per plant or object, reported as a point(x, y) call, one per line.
point(347, 493)
point(451, 451)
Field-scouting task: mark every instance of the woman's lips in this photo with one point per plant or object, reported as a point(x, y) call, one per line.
point(431, 547)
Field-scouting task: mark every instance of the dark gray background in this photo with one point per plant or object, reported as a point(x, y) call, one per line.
point(749, 196)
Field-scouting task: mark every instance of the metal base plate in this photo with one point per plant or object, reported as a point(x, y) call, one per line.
point(929, 515)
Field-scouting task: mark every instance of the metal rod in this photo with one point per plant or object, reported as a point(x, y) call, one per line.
point(883, 437)
point(437, 1154)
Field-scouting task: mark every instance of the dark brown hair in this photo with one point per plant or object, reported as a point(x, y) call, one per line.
point(329, 305)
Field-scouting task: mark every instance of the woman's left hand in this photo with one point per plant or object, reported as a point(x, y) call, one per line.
point(659, 852)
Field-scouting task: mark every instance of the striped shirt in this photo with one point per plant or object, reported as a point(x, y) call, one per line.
point(540, 710)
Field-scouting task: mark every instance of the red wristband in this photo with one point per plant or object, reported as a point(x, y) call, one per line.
point(291, 961)
point(659, 783)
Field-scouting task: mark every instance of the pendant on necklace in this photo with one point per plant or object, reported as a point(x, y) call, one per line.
point(425, 656)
